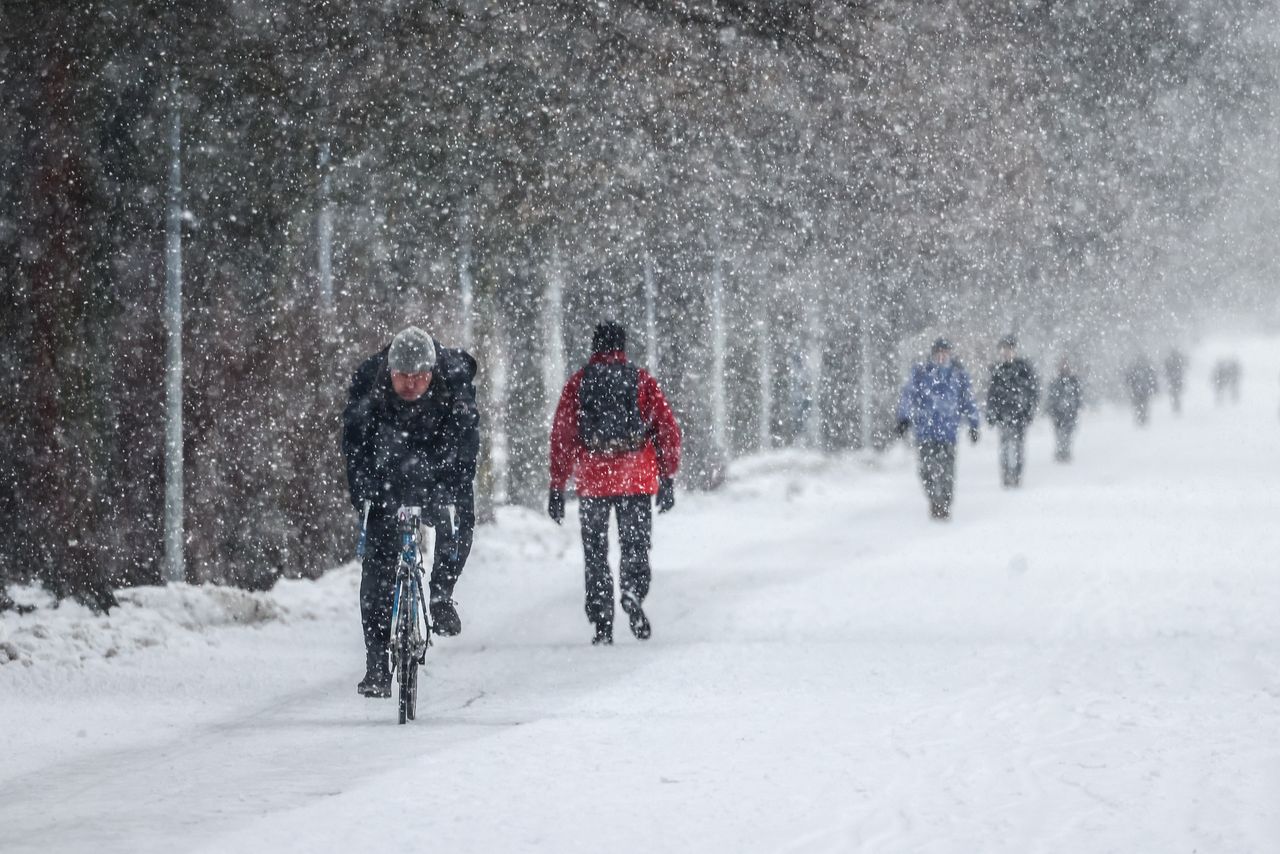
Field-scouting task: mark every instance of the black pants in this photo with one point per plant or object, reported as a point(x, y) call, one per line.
point(938, 472)
point(382, 554)
point(1063, 433)
point(635, 528)
point(1140, 406)
point(1013, 439)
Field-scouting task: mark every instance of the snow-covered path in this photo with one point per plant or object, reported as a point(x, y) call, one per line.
point(1089, 664)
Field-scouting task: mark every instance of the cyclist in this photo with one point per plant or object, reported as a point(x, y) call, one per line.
point(410, 434)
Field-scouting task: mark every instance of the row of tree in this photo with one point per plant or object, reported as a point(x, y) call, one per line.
point(780, 200)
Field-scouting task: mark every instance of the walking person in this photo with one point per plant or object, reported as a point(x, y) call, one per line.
point(1012, 398)
point(937, 396)
point(1143, 383)
point(1175, 369)
point(411, 435)
point(1065, 398)
point(1226, 380)
point(615, 435)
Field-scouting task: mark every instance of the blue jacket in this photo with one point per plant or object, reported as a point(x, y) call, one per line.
point(935, 399)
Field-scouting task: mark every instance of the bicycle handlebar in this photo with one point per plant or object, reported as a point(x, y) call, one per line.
point(410, 518)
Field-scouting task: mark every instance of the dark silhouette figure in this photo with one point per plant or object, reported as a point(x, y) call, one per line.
point(1143, 384)
point(1175, 369)
point(1226, 380)
point(1012, 399)
point(1064, 402)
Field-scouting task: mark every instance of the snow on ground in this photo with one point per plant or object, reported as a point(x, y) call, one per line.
point(1089, 664)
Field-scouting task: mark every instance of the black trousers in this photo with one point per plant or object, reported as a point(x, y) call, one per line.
point(635, 534)
point(1063, 432)
point(938, 472)
point(1013, 439)
point(382, 554)
point(1140, 406)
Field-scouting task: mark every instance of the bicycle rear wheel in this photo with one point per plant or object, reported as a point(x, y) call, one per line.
point(411, 709)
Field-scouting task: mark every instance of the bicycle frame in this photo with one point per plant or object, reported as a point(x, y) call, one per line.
point(410, 624)
point(409, 573)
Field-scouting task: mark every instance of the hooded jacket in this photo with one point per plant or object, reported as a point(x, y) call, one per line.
point(934, 400)
point(598, 475)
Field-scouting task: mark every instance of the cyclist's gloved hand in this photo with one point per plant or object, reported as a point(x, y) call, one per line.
point(973, 435)
point(425, 495)
point(555, 505)
point(666, 494)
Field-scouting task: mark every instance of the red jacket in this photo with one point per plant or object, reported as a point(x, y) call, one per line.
point(631, 473)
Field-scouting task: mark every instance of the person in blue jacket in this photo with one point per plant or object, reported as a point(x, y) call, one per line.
point(935, 399)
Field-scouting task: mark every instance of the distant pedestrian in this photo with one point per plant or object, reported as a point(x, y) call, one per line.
point(1012, 398)
point(1175, 369)
point(938, 395)
point(615, 435)
point(1226, 380)
point(1143, 384)
point(1064, 401)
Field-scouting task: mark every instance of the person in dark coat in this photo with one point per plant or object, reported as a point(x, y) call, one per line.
point(411, 435)
point(1175, 369)
point(1143, 384)
point(1226, 380)
point(615, 435)
point(1064, 401)
point(1012, 398)
point(937, 396)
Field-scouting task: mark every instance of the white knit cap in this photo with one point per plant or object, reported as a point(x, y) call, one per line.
point(413, 351)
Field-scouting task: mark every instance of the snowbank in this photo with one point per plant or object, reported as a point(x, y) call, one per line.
point(68, 634)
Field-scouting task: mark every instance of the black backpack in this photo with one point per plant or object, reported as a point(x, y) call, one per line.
point(609, 420)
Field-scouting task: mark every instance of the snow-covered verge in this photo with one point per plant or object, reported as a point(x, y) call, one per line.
point(150, 616)
point(69, 634)
point(1090, 664)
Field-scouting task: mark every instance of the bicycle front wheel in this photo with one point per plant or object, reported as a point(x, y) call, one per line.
point(408, 686)
point(406, 663)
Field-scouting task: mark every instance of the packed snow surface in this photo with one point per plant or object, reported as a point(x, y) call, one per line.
point(1088, 664)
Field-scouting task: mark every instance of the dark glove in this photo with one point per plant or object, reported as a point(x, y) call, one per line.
point(903, 426)
point(973, 435)
point(555, 506)
point(427, 496)
point(666, 494)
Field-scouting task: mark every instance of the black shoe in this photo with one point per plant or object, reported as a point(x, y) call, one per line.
point(604, 635)
point(639, 622)
point(444, 618)
point(377, 681)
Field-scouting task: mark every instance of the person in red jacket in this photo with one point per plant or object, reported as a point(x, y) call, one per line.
point(615, 435)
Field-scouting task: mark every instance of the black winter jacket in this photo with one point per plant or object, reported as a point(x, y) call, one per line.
point(419, 452)
point(1065, 400)
point(1014, 393)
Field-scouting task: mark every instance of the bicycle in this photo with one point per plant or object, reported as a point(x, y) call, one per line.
point(410, 623)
